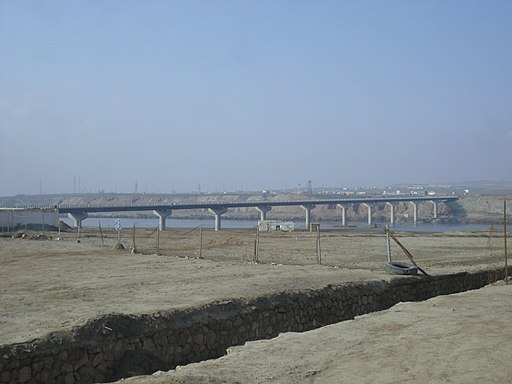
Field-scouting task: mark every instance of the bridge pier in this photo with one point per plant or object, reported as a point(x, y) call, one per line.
point(218, 211)
point(77, 218)
point(369, 207)
point(263, 209)
point(391, 213)
point(343, 214)
point(414, 211)
point(162, 215)
point(308, 208)
point(435, 208)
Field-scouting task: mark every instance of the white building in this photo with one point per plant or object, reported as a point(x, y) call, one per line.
point(275, 225)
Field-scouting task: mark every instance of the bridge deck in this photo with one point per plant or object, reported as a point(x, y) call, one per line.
point(179, 206)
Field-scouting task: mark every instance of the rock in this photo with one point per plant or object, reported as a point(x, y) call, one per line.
point(25, 374)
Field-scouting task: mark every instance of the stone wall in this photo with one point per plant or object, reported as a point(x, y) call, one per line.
point(116, 345)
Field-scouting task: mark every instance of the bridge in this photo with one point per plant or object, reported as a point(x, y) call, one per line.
point(79, 213)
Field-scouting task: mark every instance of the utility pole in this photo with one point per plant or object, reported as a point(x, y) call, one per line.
point(505, 238)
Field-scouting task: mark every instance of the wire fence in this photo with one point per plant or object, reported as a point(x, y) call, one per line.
point(336, 248)
point(345, 248)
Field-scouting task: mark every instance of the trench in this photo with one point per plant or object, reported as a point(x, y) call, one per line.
point(117, 346)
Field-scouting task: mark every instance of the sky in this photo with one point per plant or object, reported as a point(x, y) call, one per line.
point(222, 95)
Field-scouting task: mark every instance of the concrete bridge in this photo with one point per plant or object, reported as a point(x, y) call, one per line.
point(79, 213)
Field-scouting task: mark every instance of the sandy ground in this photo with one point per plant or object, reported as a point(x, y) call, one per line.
point(49, 285)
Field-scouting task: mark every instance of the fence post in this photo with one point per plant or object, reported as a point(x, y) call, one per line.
point(200, 241)
point(318, 247)
point(256, 246)
point(101, 233)
point(157, 241)
point(133, 239)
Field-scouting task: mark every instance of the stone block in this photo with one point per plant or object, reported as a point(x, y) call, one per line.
point(63, 356)
point(70, 379)
point(87, 373)
point(198, 339)
point(98, 359)
point(25, 374)
point(37, 366)
point(67, 368)
point(148, 345)
point(211, 338)
point(44, 377)
point(5, 377)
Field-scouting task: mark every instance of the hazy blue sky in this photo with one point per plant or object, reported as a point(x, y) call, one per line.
point(101, 94)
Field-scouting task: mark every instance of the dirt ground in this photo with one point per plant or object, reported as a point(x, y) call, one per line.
point(55, 283)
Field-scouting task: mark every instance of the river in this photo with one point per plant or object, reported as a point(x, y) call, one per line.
point(173, 223)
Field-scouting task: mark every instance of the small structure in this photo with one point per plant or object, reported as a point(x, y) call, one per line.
point(12, 219)
point(314, 227)
point(275, 225)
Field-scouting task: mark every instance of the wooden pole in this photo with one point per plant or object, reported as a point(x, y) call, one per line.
point(133, 240)
point(101, 233)
point(388, 244)
point(256, 245)
point(505, 238)
point(157, 241)
point(201, 242)
point(406, 251)
point(318, 246)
